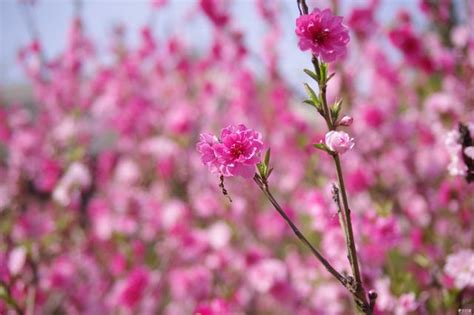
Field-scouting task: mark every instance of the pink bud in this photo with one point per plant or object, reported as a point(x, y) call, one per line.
point(346, 121)
point(339, 141)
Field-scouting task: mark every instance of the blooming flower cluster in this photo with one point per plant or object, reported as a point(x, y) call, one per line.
point(235, 154)
point(106, 208)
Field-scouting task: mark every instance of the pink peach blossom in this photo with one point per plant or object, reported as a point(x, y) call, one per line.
point(339, 141)
point(235, 154)
point(323, 34)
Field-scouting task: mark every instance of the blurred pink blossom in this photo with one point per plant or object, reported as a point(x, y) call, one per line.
point(460, 267)
point(266, 273)
point(16, 260)
point(406, 304)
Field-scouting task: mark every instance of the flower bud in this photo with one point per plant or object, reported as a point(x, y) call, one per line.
point(339, 141)
point(346, 121)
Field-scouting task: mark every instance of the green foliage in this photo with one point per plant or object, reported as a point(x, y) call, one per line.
point(402, 281)
point(264, 169)
point(336, 109)
point(313, 75)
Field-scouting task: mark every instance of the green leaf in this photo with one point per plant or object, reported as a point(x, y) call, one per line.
point(311, 93)
point(315, 105)
point(261, 169)
point(267, 158)
point(336, 109)
point(321, 146)
point(323, 71)
point(313, 75)
point(314, 100)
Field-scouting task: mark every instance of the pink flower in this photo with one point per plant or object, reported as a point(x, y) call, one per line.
point(206, 148)
point(460, 267)
point(266, 273)
point(456, 167)
point(469, 151)
point(235, 154)
point(362, 22)
point(323, 34)
point(406, 304)
point(132, 289)
point(16, 260)
point(339, 141)
point(411, 46)
point(215, 11)
point(214, 307)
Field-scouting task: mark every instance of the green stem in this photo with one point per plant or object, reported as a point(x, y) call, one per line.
point(322, 82)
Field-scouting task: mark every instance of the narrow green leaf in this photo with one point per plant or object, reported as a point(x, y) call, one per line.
point(323, 68)
point(311, 93)
point(318, 106)
point(336, 109)
point(261, 169)
point(321, 146)
point(267, 158)
point(313, 75)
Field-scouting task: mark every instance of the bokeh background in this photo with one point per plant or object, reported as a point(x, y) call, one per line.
point(106, 208)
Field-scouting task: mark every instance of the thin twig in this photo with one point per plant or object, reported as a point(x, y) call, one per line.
point(360, 292)
point(302, 6)
point(342, 219)
point(358, 289)
point(264, 187)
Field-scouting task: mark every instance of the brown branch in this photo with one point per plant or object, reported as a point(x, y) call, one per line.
point(302, 7)
point(264, 187)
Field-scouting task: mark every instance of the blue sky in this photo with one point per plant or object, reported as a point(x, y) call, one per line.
point(52, 18)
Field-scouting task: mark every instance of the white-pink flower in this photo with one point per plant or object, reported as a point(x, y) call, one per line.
point(456, 165)
point(339, 141)
point(266, 273)
point(460, 267)
point(16, 260)
point(469, 151)
point(406, 304)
